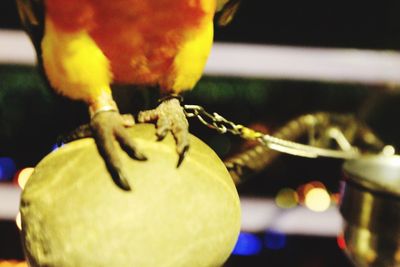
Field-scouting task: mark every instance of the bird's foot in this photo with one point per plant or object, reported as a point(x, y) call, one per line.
point(108, 127)
point(170, 116)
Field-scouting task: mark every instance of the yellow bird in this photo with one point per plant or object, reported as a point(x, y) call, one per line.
point(84, 46)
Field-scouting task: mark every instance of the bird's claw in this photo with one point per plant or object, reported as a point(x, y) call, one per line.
point(170, 116)
point(107, 127)
point(182, 155)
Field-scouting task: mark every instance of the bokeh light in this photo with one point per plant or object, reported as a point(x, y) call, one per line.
point(388, 150)
point(335, 198)
point(12, 263)
point(57, 146)
point(24, 176)
point(303, 190)
point(341, 241)
point(7, 168)
point(247, 244)
point(287, 198)
point(275, 240)
point(397, 255)
point(317, 199)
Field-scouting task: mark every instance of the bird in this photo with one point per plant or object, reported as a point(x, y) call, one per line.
point(85, 46)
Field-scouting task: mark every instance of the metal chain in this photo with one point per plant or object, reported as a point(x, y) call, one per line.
point(222, 125)
point(213, 121)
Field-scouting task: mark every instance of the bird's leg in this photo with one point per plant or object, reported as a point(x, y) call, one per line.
point(169, 116)
point(108, 126)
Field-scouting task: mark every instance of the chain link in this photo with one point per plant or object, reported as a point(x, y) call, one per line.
point(213, 121)
point(222, 125)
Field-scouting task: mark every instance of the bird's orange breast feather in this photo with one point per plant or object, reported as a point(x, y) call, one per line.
point(139, 37)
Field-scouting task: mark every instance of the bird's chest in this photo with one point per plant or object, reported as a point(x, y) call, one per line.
point(141, 40)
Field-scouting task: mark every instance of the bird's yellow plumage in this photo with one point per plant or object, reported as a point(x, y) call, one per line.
point(75, 65)
point(191, 59)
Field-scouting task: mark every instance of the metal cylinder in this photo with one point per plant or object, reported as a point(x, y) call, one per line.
point(370, 207)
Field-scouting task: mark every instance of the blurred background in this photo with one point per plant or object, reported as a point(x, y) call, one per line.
point(277, 60)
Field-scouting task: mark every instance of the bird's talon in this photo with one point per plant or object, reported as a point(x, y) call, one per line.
point(121, 181)
point(108, 127)
point(139, 156)
point(162, 135)
point(170, 117)
point(182, 156)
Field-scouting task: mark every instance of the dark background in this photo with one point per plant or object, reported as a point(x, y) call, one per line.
point(31, 117)
point(361, 24)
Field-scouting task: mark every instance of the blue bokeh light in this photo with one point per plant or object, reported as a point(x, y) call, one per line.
point(7, 168)
point(57, 146)
point(275, 240)
point(247, 244)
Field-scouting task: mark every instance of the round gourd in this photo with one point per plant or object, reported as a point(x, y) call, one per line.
point(73, 215)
